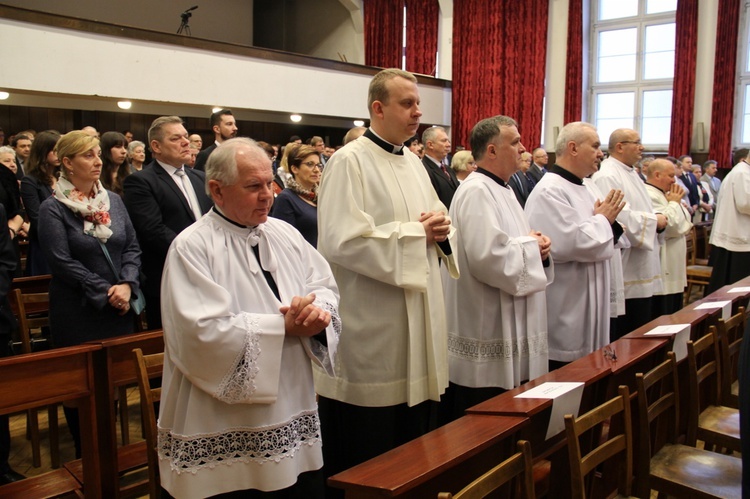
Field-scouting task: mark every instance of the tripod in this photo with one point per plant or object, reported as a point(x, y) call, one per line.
point(184, 26)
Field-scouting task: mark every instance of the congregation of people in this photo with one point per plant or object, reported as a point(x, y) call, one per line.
point(322, 305)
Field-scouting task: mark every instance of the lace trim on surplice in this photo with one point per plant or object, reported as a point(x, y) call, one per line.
point(239, 383)
point(272, 443)
point(475, 350)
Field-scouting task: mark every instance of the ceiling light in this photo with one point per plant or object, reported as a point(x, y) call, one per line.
point(295, 118)
point(217, 109)
point(124, 104)
point(359, 123)
point(4, 95)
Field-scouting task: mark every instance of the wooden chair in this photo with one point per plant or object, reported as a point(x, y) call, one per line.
point(663, 464)
point(729, 334)
point(698, 273)
point(715, 424)
point(616, 449)
point(33, 313)
point(517, 465)
point(150, 366)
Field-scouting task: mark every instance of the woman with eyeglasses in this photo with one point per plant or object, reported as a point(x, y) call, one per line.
point(298, 203)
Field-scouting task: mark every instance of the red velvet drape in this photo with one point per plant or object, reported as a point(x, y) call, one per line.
point(499, 57)
point(574, 75)
point(422, 17)
point(683, 94)
point(384, 24)
point(725, 68)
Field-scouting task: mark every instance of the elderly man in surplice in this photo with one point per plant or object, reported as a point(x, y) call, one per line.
point(585, 231)
point(496, 311)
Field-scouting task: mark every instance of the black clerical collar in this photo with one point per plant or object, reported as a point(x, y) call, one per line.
point(559, 170)
point(383, 144)
point(492, 176)
point(218, 212)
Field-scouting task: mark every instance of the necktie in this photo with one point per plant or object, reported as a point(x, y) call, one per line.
point(445, 170)
point(190, 192)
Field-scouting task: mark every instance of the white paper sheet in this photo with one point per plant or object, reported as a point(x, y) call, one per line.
point(681, 333)
point(740, 289)
point(566, 399)
point(725, 305)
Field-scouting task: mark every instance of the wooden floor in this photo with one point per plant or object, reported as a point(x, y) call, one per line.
point(20, 448)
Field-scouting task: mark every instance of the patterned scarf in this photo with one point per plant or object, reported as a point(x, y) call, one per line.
point(310, 195)
point(94, 211)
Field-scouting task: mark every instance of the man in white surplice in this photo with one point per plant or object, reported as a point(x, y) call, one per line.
point(641, 267)
point(666, 197)
point(585, 231)
point(384, 231)
point(497, 320)
point(242, 295)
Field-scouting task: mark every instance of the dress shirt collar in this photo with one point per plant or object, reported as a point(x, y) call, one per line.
point(169, 168)
point(384, 144)
point(438, 163)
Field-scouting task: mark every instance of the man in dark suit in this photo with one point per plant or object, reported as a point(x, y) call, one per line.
point(686, 162)
point(521, 182)
point(162, 200)
point(539, 165)
point(437, 145)
point(21, 143)
point(225, 128)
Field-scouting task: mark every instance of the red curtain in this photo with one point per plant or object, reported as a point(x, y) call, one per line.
point(725, 67)
point(422, 17)
point(683, 93)
point(499, 57)
point(384, 24)
point(574, 76)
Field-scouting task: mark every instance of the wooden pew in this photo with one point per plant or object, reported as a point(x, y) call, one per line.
point(51, 377)
point(113, 368)
point(446, 459)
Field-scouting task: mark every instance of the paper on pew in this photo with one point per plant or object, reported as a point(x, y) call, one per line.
point(681, 333)
point(724, 305)
point(566, 399)
point(740, 289)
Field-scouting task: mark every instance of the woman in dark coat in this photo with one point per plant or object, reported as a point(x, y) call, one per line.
point(88, 301)
point(36, 186)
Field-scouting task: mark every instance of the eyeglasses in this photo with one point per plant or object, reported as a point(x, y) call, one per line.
point(636, 142)
point(313, 164)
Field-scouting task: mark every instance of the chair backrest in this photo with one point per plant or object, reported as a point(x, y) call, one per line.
point(619, 443)
point(729, 335)
point(703, 379)
point(32, 312)
point(150, 366)
point(658, 406)
point(518, 465)
point(690, 238)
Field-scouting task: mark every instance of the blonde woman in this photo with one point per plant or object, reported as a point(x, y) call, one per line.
point(463, 164)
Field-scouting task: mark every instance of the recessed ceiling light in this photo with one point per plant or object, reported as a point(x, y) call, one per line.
point(216, 109)
point(124, 104)
point(295, 118)
point(359, 123)
point(4, 95)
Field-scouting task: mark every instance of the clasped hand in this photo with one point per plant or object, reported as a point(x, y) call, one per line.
point(437, 226)
point(119, 297)
point(545, 245)
point(303, 318)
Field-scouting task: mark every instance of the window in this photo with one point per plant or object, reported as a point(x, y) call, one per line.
point(632, 65)
point(743, 98)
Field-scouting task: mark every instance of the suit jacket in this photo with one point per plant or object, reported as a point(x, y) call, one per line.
point(159, 211)
point(444, 187)
point(200, 160)
point(535, 172)
point(7, 269)
point(692, 186)
point(520, 187)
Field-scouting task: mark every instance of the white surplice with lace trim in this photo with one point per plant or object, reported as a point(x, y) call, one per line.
point(238, 407)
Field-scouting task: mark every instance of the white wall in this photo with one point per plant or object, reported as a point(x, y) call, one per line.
point(83, 66)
